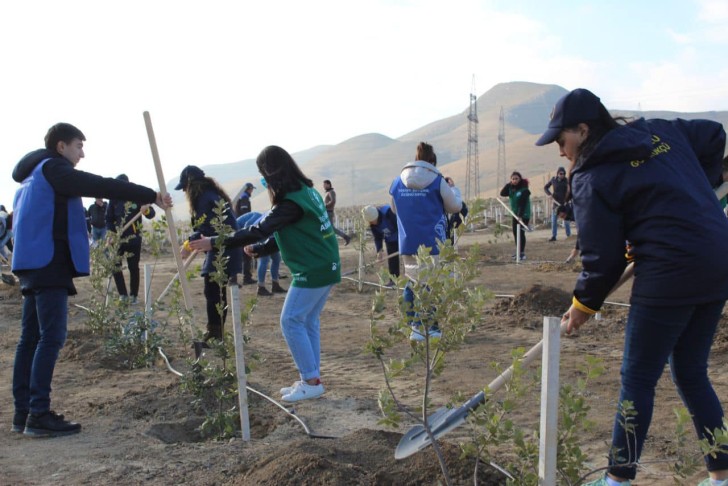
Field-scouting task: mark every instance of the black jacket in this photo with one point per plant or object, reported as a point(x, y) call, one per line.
point(281, 215)
point(97, 215)
point(650, 183)
point(68, 182)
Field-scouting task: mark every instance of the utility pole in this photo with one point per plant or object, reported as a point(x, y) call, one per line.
point(472, 176)
point(501, 172)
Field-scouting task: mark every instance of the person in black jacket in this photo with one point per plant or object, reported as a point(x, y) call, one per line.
point(52, 249)
point(204, 195)
point(383, 225)
point(455, 219)
point(649, 182)
point(118, 214)
point(97, 219)
point(243, 206)
point(559, 197)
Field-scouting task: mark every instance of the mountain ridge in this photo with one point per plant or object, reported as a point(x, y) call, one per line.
point(362, 167)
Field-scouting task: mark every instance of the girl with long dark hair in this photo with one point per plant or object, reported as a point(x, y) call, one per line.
point(299, 227)
point(204, 196)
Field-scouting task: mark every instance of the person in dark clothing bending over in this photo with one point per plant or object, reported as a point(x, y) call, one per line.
point(243, 206)
point(455, 219)
point(383, 225)
point(52, 249)
point(118, 215)
point(649, 183)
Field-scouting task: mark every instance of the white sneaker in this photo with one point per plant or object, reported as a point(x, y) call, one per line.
point(288, 389)
point(304, 391)
point(417, 335)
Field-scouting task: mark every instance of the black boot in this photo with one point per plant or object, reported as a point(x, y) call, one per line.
point(49, 424)
point(277, 289)
point(263, 292)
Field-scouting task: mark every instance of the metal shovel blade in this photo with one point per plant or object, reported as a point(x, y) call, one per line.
point(441, 422)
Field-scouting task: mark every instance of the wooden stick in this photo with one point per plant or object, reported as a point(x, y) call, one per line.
point(130, 222)
point(350, 272)
point(520, 221)
point(169, 286)
point(168, 211)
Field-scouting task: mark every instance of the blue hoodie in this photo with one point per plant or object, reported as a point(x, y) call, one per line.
point(649, 183)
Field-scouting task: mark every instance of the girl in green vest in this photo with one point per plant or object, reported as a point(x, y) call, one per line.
point(299, 227)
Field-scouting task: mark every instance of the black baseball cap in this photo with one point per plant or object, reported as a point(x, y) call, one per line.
point(576, 107)
point(189, 173)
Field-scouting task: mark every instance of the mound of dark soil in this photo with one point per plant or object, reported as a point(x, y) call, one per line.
point(365, 457)
point(535, 300)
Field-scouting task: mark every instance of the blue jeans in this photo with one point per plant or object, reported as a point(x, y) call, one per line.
point(555, 225)
point(275, 264)
point(42, 335)
point(654, 336)
point(408, 296)
point(98, 234)
point(302, 328)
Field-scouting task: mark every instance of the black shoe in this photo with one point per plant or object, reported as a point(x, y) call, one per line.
point(277, 289)
point(49, 424)
point(198, 346)
point(262, 291)
point(553, 238)
point(19, 422)
point(249, 281)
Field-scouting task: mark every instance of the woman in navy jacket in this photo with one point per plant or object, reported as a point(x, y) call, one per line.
point(648, 182)
point(204, 195)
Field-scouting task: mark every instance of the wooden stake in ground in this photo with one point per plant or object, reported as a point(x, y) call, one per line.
point(168, 212)
point(176, 276)
point(240, 360)
point(548, 437)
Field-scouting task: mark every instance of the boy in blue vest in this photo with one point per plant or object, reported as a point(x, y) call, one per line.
point(52, 249)
point(422, 200)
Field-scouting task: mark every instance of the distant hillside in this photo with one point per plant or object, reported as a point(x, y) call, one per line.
point(361, 168)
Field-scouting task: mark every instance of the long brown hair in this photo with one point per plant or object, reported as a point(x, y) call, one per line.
point(196, 187)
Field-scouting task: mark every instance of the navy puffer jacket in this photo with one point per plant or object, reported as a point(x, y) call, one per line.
point(650, 183)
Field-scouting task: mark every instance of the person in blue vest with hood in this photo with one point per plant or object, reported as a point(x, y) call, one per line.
point(383, 225)
point(52, 248)
point(422, 200)
point(649, 182)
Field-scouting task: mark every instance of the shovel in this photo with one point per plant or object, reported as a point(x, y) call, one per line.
point(446, 419)
point(7, 279)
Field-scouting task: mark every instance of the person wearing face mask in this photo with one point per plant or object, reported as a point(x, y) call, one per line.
point(649, 182)
point(299, 227)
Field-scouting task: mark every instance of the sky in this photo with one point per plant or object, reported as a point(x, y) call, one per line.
point(222, 79)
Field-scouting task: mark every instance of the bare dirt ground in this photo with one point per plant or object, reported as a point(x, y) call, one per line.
point(139, 426)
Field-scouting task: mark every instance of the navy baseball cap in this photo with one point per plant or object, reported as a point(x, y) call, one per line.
point(576, 107)
point(189, 173)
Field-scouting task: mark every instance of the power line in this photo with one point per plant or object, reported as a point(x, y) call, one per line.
point(472, 176)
